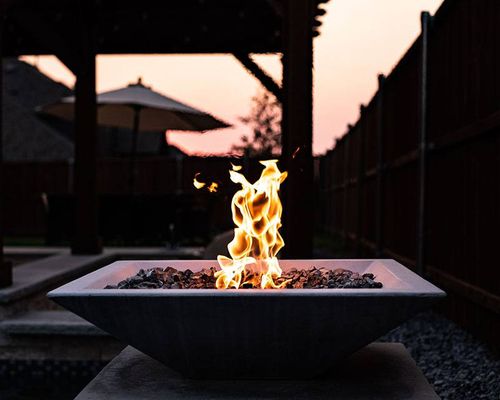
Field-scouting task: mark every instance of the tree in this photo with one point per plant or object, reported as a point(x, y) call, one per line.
point(265, 121)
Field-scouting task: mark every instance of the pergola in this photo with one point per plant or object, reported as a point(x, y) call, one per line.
point(76, 31)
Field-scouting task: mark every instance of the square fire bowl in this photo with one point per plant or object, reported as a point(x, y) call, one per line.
point(248, 333)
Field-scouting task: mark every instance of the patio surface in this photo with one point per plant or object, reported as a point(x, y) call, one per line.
point(457, 365)
point(32, 277)
point(378, 371)
point(32, 327)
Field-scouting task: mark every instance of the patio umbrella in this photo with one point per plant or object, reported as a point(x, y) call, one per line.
point(139, 107)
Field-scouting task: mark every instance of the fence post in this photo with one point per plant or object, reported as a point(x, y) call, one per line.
point(360, 178)
point(422, 148)
point(379, 247)
point(330, 198)
point(331, 172)
point(345, 185)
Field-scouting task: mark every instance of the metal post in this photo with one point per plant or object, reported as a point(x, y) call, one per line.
point(5, 267)
point(425, 21)
point(133, 150)
point(86, 236)
point(379, 249)
point(297, 127)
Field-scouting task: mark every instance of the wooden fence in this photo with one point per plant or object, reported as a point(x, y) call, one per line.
point(38, 196)
point(417, 178)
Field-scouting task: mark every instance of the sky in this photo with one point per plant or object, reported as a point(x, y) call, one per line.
point(359, 39)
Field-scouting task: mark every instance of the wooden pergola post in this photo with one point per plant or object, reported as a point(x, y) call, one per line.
point(297, 128)
point(5, 267)
point(86, 233)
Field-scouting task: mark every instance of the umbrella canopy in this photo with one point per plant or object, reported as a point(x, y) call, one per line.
point(142, 109)
point(118, 108)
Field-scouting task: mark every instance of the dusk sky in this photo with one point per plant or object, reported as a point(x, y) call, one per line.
point(359, 39)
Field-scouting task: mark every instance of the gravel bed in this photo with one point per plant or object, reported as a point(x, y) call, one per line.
point(313, 278)
point(455, 363)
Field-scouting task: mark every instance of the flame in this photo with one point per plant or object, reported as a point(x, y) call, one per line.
point(197, 184)
point(236, 167)
point(256, 210)
point(213, 187)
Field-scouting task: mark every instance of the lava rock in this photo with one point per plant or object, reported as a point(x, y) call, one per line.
point(313, 278)
point(319, 278)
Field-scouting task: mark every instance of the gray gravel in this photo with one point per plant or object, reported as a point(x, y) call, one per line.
point(455, 363)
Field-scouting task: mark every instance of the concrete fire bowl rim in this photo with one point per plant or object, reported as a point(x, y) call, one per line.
point(399, 281)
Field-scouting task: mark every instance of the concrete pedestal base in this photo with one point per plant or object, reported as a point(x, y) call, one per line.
point(378, 371)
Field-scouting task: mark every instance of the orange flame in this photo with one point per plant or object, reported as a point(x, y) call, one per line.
point(196, 183)
point(256, 212)
point(212, 188)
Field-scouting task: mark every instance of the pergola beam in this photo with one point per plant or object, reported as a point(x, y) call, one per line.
point(266, 80)
point(42, 32)
point(130, 27)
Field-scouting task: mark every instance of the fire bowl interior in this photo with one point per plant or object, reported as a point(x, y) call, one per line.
point(251, 333)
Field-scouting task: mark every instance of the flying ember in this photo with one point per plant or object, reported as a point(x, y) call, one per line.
point(256, 210)
point(212, 188)
point(196, 183)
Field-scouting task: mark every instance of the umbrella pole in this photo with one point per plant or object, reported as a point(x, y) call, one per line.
point(133, 155)
point(132, 176)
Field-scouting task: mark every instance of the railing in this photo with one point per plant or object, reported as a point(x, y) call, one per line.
point(417, 178)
